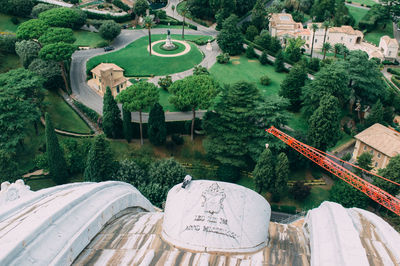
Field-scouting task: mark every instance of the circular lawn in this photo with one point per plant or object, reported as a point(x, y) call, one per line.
point(136, 61)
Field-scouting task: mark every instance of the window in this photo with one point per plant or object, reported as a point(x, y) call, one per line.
point(379, 155)
point(341, 38)
point(390, 52)
point(350, 39)
point(308, 38)
point(315, 40)
point(376, 164)
point(372, 152)
point(117, 88)
point(328, 38)
point(99, 79)
point(365, 148)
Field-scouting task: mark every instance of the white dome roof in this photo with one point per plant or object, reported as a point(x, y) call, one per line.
point(216, 216)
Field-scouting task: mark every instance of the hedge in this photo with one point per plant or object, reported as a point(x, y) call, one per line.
point(121, 5)
point(176, 22)
point(395, 71)
point(396, 80)
point(91, 114)
point(119, 19)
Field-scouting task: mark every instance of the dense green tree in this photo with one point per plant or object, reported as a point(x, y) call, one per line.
point(75, 153)
point(291, 87)
point(235, 134)
point(391, 172)
point(156, 128)
point(32, 29)
point(259, 14)
point(230, 40)
point(112, 123)
point(323, 9)
point(279, 63)
point(130, 172)
point(263, 173)
point(228, 173)
point(281, 175)
point(109, 30)
point(49, 71)
point(300, 191)
point(55, 157)
point(64, 17)
point(27, 51)
point(138, 97)
point(165, 82)
point(264, 40)
point(127, 124)
point(251, 32)
point(155, 192)
point(9, 170)
point(55, 35)
point(375, 115)
point(20, 8)
point(364, 161)
point(342, 15)
point(332, 79)
point(58, 52)
point(293, 48)
point(326, 25)
point(140, 7)
point(193, 92)
point(166, 172)
point(365, 78)
point(263, 58)
point(250, 53)
point(39, 8)
point(99, 164)
point(324, 124)
point(348, 196)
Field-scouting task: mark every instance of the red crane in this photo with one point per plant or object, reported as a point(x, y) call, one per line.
point(319, 157)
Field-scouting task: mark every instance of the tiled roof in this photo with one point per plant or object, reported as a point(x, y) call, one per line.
point(389, 41)
point(105, 66)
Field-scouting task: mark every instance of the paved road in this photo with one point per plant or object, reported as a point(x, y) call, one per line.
point(83, 93)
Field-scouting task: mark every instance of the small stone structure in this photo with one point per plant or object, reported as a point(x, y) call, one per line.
point(108, 75)
point(169, 45)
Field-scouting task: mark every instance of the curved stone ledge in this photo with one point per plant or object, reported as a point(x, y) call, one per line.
point(54, 226)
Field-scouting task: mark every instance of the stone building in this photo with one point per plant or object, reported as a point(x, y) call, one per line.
point(108, 75)
point(389, 47)
point(382, 142)
point(282, 26)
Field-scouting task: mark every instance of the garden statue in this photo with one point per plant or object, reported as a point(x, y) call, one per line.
point(209, 47)
point(169, 45)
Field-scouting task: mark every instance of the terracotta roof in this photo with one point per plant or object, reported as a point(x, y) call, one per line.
point(389, 41)
point(119, 81)
point(382, 139)
point(105, 66)
point(282, 18)
point(376, 54)
point(345, 29)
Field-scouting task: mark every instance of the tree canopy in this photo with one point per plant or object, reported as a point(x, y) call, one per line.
point(263, 173)
point(229, 39)
point(291, 87)
point(64, 17)
point(55, 35)
point(392, 172)
point(109, 30)
point(156, 128)
point(32, 29)
point(27, 51)
point(112, 123)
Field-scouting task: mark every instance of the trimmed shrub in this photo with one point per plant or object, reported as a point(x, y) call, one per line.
point(223, 58)
point(91, 114)
point(265, 80)
point(250, 53)
point(264, 58)
point(121, 5)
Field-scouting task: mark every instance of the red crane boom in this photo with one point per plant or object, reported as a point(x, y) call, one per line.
point(380, 196)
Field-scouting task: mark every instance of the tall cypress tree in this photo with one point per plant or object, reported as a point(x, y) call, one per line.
point(112, 123)
point(157, 130)
point(279, 62)
point(263, 173)
point(281, 175)
point(291, 87)
point(55, 156)
point(99, 165)
point(127, 124)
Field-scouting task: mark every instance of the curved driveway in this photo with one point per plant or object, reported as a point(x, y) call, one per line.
point(83, 93)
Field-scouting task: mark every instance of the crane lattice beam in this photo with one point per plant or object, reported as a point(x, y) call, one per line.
point(379, 195)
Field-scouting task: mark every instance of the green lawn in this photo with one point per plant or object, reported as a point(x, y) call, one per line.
point(357, 13)
point(136, 61)
point(298, 122)
point(365, 2)
point(375, 35)
point(64, 118)
point(6, 25)
point(87, 38)
point(8, 62)
point(248, 70)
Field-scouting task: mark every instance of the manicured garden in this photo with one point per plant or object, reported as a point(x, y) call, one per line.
point(242, 68)
point(357, 13)
point(381, 30)
point(87, 38)
point(63, 116)
point(159, 49)
point(136, 61)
